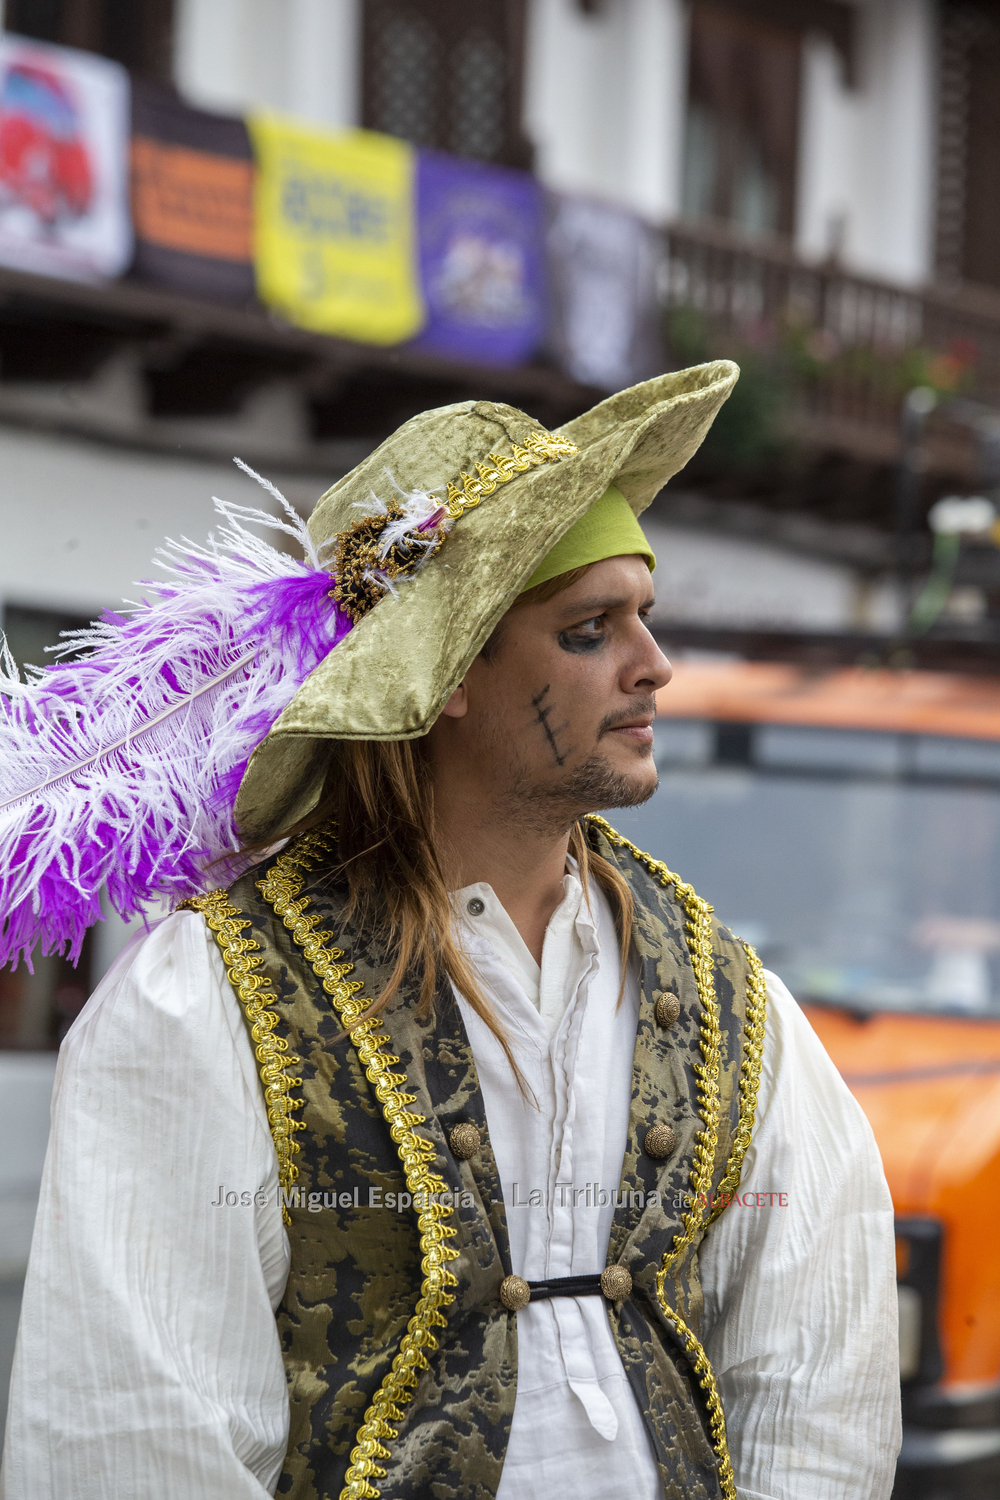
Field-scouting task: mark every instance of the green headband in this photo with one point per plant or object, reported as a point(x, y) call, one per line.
point(608, 529)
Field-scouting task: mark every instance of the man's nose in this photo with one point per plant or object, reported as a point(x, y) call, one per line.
point(652, 671)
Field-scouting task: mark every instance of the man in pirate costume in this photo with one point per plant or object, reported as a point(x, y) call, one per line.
point(454, 1149)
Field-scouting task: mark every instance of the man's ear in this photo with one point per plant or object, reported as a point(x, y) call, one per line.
point(458, 704)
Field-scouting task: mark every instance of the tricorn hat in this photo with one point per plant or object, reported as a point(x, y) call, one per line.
point(506, 491)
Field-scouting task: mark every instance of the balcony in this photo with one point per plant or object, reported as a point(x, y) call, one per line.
point(841, 351)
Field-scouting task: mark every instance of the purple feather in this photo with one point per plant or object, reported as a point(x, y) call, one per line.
point(300, 616)
point(118, 769)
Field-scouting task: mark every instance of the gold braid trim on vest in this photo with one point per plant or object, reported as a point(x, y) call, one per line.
point(281, 887)
point(227, 923)
point(753, 1056)
point(703, 1211)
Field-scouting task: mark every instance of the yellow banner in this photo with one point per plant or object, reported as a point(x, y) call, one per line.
point(335, 231)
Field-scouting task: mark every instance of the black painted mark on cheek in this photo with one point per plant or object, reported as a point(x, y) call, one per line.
point(542, 718)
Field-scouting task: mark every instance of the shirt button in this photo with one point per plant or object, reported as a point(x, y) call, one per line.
point(660, 1141)
point(475, 907)
point(668, 1008)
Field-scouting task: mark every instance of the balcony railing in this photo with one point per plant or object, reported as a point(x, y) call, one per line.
point(847, 347)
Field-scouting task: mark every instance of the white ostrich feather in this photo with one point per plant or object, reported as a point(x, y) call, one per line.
point(118, 768)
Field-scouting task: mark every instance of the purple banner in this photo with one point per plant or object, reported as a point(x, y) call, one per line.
point(603, 265)
point(480, 232)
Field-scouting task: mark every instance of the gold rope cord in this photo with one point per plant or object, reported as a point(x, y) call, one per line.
point(699, 939)
point(539, 448)
point(227, 923)
point(706, 1379)
point(281, 887)
point(753, 1056)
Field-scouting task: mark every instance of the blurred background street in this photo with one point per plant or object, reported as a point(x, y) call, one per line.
point(278, 228)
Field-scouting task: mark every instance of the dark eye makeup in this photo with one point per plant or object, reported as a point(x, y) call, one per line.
point(582, 638)
point(590, 634)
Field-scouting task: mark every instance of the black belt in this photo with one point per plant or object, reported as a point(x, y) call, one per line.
point(566, 1286)
point(614, 1283)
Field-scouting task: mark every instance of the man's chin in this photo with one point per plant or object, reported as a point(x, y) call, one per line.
point(600, 784)
point(594, 786)
point(630, 783)
point(631, 791)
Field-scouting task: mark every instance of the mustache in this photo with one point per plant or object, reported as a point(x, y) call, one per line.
point(641, 708)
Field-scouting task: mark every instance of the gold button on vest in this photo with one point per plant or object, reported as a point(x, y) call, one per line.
point(668, 1008)
point(515, 1292)
point(464, 1141)
point(659, 1141)
point(616, 1283)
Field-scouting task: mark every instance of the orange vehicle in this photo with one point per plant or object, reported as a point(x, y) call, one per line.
point(847, 823)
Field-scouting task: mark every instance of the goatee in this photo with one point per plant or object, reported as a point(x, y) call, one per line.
point(590, 787)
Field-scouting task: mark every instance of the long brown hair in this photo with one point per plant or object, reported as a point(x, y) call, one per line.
point(380, 796)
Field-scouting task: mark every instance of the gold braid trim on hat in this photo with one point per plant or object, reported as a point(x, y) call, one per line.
point(701, 1211)
point(281, 887)
point(539, 448)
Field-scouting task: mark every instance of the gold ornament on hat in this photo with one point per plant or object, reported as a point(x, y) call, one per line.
point(371, 556)
point(366, 564)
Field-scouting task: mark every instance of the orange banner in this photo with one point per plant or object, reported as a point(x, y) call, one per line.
point(192, 201)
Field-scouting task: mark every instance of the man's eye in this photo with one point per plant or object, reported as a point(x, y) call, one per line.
point(583, 637)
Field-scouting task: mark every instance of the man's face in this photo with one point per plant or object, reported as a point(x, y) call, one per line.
point(559, 722)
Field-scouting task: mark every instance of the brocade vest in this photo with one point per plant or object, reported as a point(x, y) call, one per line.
point(401, 1359)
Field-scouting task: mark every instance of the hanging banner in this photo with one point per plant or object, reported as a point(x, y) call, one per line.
point(64, 120)
point(482, 260)
point(603, 262)
point(334, 230)
point(192, 197)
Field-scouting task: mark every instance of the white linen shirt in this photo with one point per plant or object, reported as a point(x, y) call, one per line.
point(576, 1427)
point(148, 1361)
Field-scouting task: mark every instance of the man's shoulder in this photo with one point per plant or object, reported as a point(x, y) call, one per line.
point(644, 872)
point(162, 991)
point(656, 884)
